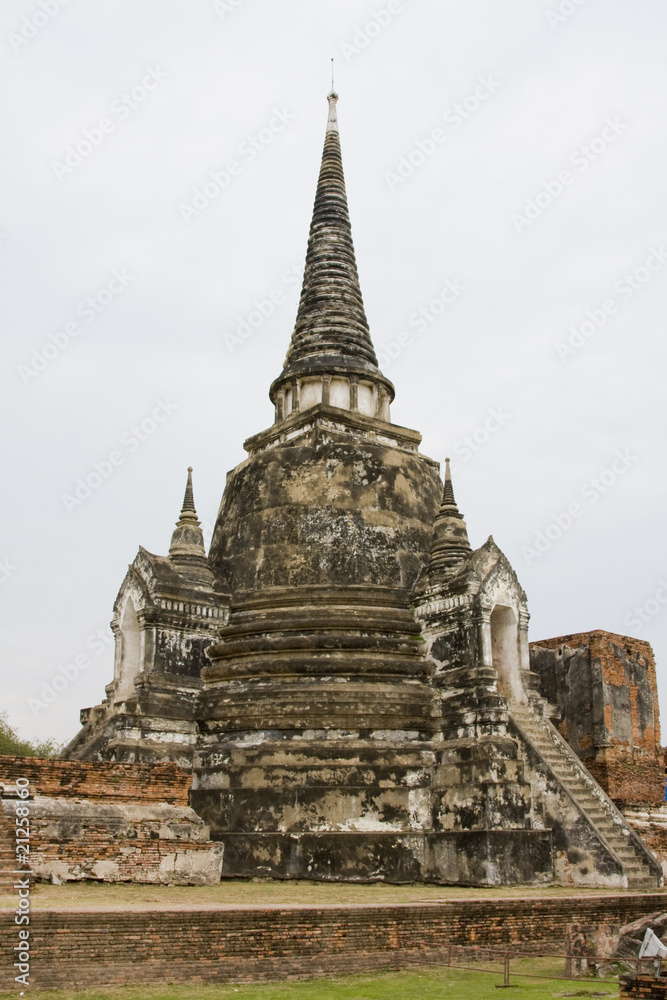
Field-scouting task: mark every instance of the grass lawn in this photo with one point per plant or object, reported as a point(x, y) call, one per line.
point(408, 985)
point(92, 895)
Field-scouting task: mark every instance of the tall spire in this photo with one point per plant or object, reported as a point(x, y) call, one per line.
point(448, 492)
point(187, 541)
point(450, 545)
point(331, 334)
point(331, 319)
point(189, 499)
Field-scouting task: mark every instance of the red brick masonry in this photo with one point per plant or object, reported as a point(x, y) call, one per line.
point(643, 987)
point(614, 725)
point(108, 822)
point(223, 945)
point(100, 781)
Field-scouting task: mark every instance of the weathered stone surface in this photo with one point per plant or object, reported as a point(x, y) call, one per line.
point(333, 506)
point(631, 935)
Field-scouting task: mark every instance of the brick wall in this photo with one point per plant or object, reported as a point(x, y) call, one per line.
point(100, 780)
point(655, 839)
point(643, 988)
point(631, 778)
point(606, 689)
point(7, 851)
point(222, 945)
point(652, 828)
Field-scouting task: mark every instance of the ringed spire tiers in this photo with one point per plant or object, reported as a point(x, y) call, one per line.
point(450, 546)
point(187, 541)
point(331, 358)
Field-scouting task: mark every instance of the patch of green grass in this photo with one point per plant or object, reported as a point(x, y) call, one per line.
point(413, 984)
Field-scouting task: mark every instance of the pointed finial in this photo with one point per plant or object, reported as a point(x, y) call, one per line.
point(332, 76)
point(189, 499)
point(448, 492)
point(332, 123)
point(450, 545)
point(187, 550)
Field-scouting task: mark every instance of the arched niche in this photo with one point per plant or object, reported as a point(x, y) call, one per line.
point(130, 651)
point(505, 652)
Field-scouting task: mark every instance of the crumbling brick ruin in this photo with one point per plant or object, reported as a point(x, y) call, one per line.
point(106, 822)
point(348, 681)
point(604, 693)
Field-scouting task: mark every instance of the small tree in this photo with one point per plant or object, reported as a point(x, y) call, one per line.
point(12, 745)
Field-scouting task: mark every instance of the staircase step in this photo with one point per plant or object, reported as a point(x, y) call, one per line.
point(568, 770)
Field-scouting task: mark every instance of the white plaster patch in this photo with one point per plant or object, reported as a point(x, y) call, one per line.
point(107, 870)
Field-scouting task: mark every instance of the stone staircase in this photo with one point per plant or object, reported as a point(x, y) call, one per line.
point(640, 867)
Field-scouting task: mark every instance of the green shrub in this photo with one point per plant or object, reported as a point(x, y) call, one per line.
point(12, 745)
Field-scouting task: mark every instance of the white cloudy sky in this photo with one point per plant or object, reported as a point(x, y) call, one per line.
point(220, 73)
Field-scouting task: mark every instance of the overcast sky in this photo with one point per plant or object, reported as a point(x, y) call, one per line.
point(505, 166)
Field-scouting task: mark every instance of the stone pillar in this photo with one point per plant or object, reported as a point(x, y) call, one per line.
point(296, 386)
point(531, 680)
point(524, 650)
point(326, 389)
point(354, 392)
point(148, 645)
point(280, 407)
point(602, 733)
point(484, 635)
